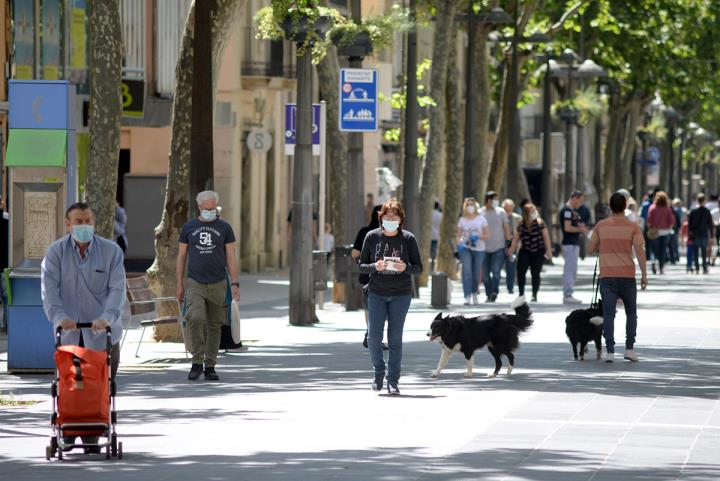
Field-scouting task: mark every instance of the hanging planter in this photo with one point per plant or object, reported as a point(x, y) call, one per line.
point(305, 30)
point(358, 45)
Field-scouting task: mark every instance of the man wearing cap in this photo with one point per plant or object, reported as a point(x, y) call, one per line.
point(572, 228)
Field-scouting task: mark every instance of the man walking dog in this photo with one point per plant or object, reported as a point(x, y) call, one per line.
point(615, 238)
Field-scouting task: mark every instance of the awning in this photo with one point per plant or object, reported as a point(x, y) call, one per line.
point(36, 148)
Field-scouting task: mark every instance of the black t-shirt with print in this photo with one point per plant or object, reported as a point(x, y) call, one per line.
point(378, 246)
point(206, 241)
point(569, 238)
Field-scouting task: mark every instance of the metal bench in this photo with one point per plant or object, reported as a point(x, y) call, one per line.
point(143, 303)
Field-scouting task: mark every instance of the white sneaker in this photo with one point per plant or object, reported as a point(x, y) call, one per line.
point(610, 357)
point(474, 299)
point(467, 301)
point(571, 300)
point(630, 355)
point(236, 349)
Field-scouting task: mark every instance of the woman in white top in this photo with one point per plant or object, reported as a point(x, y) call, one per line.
point(472, 231)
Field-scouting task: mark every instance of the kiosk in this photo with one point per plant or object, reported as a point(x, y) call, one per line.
point(41, 160)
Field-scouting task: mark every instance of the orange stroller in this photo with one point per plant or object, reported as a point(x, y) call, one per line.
point(83, 395)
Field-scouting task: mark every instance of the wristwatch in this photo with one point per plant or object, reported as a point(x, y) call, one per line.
point(236, 284)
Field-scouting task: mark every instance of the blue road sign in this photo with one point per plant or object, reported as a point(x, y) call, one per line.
point(290, 128)
point(651, 157)
point(358, 100)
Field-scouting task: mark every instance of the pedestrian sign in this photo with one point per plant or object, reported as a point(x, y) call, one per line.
point(358, 100)
point(290, 128)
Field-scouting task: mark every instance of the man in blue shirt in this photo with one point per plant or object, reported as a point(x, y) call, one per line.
point(207, 243)
point(83, 280)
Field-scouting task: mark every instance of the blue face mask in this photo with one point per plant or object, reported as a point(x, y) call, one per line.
point(391, 225)
point(83, 233)
point(208, 215)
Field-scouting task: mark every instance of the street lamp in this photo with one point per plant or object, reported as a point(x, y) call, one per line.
point(496, 16)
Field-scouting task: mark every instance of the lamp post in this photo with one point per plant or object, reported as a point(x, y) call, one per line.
point(496, 16)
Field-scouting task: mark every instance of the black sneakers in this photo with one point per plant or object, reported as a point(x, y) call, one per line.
point(195, 372)
point(393, 389)
point(210, 374)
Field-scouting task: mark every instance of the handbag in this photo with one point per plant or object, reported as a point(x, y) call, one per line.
point(235, 321)
point(653, 233)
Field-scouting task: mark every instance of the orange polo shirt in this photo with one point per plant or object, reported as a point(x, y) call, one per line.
point(617, 236)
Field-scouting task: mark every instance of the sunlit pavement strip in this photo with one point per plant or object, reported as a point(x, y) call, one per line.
point(298, 404)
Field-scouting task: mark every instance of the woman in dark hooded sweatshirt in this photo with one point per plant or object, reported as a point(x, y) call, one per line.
point(390, 256)
point(357, 247)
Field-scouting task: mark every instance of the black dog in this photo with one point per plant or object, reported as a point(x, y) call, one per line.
point(499, 332)
point(583, 326)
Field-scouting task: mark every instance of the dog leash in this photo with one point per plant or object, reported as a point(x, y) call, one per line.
point(596, 286)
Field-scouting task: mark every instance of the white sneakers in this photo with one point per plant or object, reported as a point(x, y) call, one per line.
point(471, 299)
point(467, 301)
point(474, 299)
point(571, 300)
point(629, 355)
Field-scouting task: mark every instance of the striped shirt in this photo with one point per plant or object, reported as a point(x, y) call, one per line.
point(616, 237)
point(532, 238)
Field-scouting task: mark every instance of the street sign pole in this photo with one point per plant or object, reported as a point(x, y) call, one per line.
point(323, 173)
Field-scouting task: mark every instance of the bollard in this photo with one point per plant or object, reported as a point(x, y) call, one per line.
point(440, 291)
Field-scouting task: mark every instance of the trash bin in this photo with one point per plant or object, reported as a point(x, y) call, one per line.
point(440, 290)
point(346, 271)
point(320, 272)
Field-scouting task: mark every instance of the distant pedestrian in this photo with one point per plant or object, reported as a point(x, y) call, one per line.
point(679, 216)
point(700, 231)
point(435, 232)
point(533, 239)
point(615, 239)
point(716, 220)
point(390, 256)
point(369, 204)
point(585, 219)
point(364, 279)
point(514, 219)
point(660, 222)
point(207, 243)
point(498, 227)
point(472, 232)
point(572, 228)
point(120, 227)
point(644, 211)
point(327, 242)
point(687, 242)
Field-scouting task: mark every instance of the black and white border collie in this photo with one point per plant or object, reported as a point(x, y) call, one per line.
point(499, 332)
point(583, 326)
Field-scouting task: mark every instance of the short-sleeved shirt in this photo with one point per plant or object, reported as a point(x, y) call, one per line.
point(471, 227)
point(569, 238)
point(435, 225)
point(496, 219)
point(617, 235)
point(531, 237)
point(206, 241)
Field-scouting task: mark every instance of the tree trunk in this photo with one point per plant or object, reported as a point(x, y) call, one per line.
point(175, 212)
point(615, 114)
point(627, 156)
point(328, 71)
point(436, 136)
point(105, 112)
point(452, 201)
point(482, 105)
point(497, 166)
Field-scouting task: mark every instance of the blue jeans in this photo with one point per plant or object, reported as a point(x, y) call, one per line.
point(394, 309)
point(510, 262)
point(471, 264)
point(699, 247)
point(492, 265)
point(674, 248)
point(660, 245)
point(612, 289)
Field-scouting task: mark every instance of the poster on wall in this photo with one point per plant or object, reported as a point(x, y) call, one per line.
point(24, 33)
point(40, 223)
point(78, 36)
point(51, 39)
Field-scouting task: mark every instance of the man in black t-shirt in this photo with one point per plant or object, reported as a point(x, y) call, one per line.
point(572, 228)
point(700, 229)
point(207, 243)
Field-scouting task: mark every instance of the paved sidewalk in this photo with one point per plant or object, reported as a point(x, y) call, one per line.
point(298, 405)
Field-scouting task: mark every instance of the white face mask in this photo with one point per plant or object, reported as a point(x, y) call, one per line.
point(391, 225)
point(470, 209)
point(534, 215)
point(495, 203)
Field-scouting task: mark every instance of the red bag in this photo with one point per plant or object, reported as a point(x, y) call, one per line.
point(83, 392)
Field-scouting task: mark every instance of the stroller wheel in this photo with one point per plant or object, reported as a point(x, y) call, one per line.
point(60, 454)
point(107, 452)
point(113, 445)
point(119, 453)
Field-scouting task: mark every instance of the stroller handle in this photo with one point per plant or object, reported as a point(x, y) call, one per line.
point(81, 325)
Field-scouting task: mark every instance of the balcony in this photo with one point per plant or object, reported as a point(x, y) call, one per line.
point(267, 64)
